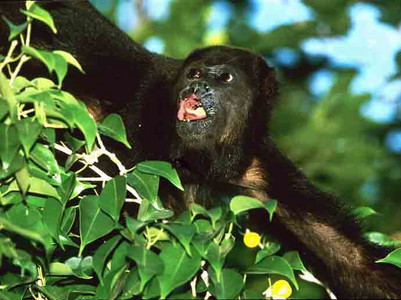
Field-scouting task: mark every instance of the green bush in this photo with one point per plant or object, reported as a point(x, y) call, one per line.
point(64, 234)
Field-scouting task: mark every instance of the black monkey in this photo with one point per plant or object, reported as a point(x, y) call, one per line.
point(209, 115)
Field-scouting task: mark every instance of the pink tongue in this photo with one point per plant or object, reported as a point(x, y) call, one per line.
point(188, 109)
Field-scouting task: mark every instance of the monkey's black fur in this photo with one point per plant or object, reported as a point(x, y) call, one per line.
point(231, 147)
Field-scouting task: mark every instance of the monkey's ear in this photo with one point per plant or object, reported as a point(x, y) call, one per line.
point(268, 84)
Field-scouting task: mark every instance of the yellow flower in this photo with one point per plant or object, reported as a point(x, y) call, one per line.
point(281, 289)
point(251, 239)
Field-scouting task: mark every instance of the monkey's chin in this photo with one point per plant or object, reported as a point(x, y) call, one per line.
point(195, 129)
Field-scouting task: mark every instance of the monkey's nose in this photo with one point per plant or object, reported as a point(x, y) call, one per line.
point(198, 88)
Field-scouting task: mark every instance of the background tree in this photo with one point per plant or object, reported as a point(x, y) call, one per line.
point(339, 117)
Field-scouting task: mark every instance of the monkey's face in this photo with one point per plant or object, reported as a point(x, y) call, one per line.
point(214, 96)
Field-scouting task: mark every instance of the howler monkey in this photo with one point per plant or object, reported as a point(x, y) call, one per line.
point(209, 115)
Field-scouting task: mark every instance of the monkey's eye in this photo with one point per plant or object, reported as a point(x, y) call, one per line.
point(226, 77)
point(194, 73)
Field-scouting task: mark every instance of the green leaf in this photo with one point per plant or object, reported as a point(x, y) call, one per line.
point(37, 186)
point(94, 223)
point(49, 134)
point(274, 265)
point(9, 144)
point(149, 213)
point(393, 258)
point(202, 243)
point(27, 221)
point(70, 59)
point(81, 266)
point(15, 30)
point(80, 187)
point(201, 286)
point(251, 294)
point(183, 233)
point(3, 109)
point(113, 126)
point(161, 168)
point(217, 254)
point(41, 187)
point(40, 14)
point(203, 226)
point(28, 131)
point(147, 185)
point(16, 164)
point(269, 249)
point(70, 161)
point(67, 187)
point(152, 289)
point(60, 269)
point(60, 67)
point(52, 215)
point(215, 214)
point(197, 209)
point(113, 196)
point(132, 284)
point(381, 239)
point(65, 240)
point(54, 292)
point(271, 206)
point(8, 248)
point(294, 260)
point(363, 212)
point(81, 289)
point(114, 283)
point(119, 258)
point(73, 143)
point(228, 286)
point(44, 157)
point(5, 295)
point(68, 219)
point(240, 204)
point(85, 123)
point(44, 56)
point(7, 93)
point(11, 198)
point(101, 255)
point(22, 177)
point(38, 172)
point(42, 83)
point(184, 296)
point(21, 230)
point(149, 264)
point(26, 262)
point(134, 225)
point(179, 268)
point(36, 201)
point(156, 233)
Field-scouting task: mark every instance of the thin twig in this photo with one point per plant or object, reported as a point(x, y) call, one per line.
point(103, 175)
point(110, 155)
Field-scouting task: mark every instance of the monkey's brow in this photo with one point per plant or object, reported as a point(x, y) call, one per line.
point(215, 69)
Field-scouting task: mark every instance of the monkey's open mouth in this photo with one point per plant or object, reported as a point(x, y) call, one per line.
point(191, 109)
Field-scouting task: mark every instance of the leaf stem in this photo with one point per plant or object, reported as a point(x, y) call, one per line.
point(23, 60)
point(10, 52)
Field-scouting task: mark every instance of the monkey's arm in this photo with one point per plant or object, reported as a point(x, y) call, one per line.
point(326, 234)
point(115, 66)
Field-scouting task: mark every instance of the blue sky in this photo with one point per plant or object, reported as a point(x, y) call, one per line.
point(370, 46)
